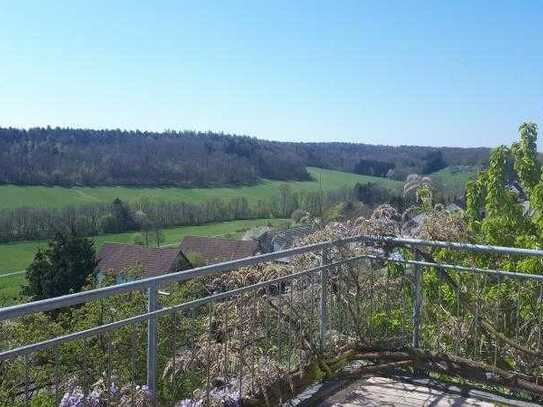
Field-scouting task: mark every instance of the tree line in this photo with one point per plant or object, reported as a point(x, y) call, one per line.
point(68, 157)
point(149, 215)
point(431, 161)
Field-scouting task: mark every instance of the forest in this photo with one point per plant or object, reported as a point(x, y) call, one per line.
point(84, 157)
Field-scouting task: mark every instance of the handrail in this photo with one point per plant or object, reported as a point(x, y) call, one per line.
point(381, 246)
point(49, 304)
point(464, 269)
point(144, 283)
point(9, 354)
point(453, 245)
point(227, 294)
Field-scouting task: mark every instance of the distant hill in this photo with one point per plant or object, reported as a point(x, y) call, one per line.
point(83, 157)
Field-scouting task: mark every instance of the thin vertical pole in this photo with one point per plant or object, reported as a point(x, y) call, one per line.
point(417, 305)
point(324, 290)
point(152, 340)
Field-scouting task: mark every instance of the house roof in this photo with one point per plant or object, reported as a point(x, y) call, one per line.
point(115, 258)
point(285, 238)
point(216, 250)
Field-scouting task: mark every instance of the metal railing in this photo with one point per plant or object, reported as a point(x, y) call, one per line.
point(244, 331)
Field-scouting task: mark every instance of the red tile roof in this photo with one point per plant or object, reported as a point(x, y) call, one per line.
point(115, 258)
point(216, 250)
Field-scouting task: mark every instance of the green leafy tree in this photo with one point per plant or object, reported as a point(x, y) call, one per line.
point(64, 267)
point(475, 197)
point(524, 152)
point(494, 214)
point(285, 198)
point(158, 236)
point(145, 225)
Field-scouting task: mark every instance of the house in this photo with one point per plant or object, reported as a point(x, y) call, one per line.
point(203, 250)
point(256, 232)
point(275, 240)
point(118, 260)
point(285, 239)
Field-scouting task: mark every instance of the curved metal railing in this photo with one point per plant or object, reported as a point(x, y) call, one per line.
point(320, 292)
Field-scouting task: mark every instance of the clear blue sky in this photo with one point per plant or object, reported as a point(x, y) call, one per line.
point(462, 73)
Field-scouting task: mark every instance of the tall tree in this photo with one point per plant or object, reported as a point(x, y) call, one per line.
point(62, 268)
point(120, 220)
point(525, 154)
point(123, 215)
point(285, 196)
point(492, 207)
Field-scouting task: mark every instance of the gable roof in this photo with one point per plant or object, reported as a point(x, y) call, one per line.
point(285, 238)
point(115, 258)
point(217, 250)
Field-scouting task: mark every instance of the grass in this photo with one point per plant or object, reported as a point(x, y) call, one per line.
point(453, 179)
point(14, 196)
point(17, 256)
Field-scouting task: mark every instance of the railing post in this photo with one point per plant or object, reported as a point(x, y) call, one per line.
point(324, 294)
point(417, 305)
point(152, 341)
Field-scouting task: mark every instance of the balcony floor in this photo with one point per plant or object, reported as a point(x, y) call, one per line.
point(391, 392)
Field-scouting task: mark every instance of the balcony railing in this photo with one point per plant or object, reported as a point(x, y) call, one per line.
point(256, 329)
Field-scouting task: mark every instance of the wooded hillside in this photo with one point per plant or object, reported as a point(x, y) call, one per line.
point(63, 156)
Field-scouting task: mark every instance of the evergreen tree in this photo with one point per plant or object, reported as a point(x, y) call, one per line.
point(123, 216)
point(62, 268)
point(120, 220)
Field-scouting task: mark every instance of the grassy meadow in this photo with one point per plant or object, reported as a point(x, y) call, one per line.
point(17, 256)
point(14, 196)
point(453, 180)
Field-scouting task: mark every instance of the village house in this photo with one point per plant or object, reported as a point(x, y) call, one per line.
point(121, 260)
point(202, 250)
point(272, 240)
point(124, 262)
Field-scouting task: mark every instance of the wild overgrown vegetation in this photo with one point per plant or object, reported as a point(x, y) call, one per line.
point(504, 204)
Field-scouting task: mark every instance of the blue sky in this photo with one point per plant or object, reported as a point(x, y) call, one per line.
point(462, 73)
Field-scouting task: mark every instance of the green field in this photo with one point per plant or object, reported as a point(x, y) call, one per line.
point(453, 180)
point(15, 257)
point(13, 196)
